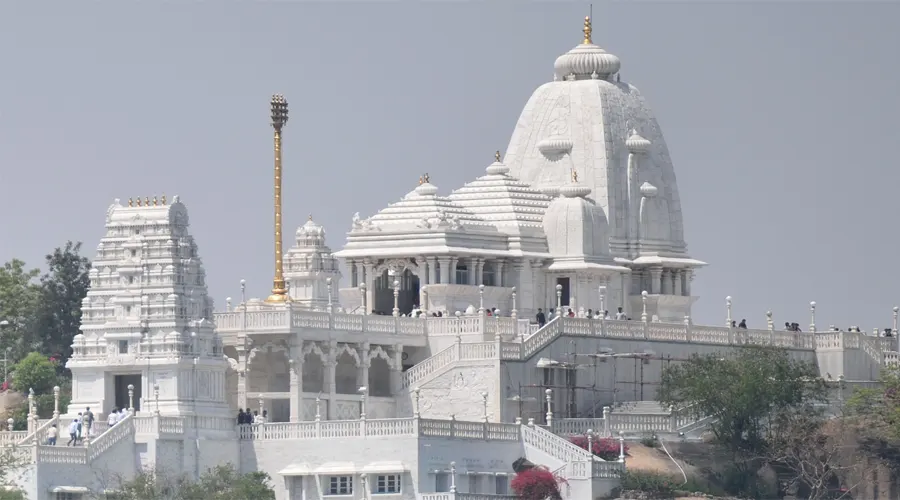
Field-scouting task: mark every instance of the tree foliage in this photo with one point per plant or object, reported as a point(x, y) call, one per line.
point(19, 296)
point(875, 415)
point(63, 287)
point(220, 483)
point(11, 458)
point(744, 389)
point(35, 371)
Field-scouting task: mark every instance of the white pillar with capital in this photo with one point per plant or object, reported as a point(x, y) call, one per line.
point(444, 262)
point(364, 364)
point(295, 371)
point(396, 369)
point(432, 270)
point(369, 267)
point(330, 379)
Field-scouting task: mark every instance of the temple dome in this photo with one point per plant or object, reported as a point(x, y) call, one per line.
point(589, 125)
point(575, 226)
point(586, 60)
point(310, 234)
point(502, 200)
point(422, 208)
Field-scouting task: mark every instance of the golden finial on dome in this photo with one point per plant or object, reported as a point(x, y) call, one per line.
point(426, 178)
point(574, 175)
point(310, 218)
point(155, 202)
point(138, 201)
point(164, 199)
point(146, 201)
point(497, 156)
point(130, 202)
point(421, 180)
point(587, 30)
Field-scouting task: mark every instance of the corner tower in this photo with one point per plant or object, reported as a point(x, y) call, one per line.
point(588, 120)
point(147, 338)
point(312, 271)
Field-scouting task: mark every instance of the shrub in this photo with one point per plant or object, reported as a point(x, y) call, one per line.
point(650, 441)
point(605, 448)
point(654, 484)
point(537, 484)
point(35, 371)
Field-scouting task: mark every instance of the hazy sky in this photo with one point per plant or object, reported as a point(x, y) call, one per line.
point(779, 116)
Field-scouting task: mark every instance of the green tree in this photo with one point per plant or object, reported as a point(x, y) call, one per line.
point(220, 483)
point(11, 458)
point(744, 389)
point(19, 298)
point(36, 372)
point(62, 288)
point(875, 415)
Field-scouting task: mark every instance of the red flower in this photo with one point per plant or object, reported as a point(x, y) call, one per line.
point(537, 484)
point(605, 448)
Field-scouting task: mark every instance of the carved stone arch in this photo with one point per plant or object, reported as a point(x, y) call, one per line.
point(379, 352)
point(313, 347)
point(268, 347)
point(342, 348)
point(397, 266)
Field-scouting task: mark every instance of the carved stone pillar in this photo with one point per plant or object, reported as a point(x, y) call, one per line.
point(360, 273)
point(453, 262)
point(498, 272)
point(295, 371)
point(688, 277)
point(444, 262)
point(364, 364)
point(397, 369)
point(655, 280)
point(432, 270)
point(677, 281)
point(667, 278)
point(243, 373)
point(370, 285)
point(624, 303)
point(330, 379)
point(479, 271)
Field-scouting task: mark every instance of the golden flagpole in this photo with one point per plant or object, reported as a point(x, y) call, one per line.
point(279, 119)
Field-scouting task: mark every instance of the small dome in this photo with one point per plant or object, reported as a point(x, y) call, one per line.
point(648, 190)
point(586, 59)
point(426, 189)
point(310, 230)
point(551, 191)
point(576, 227)
point(637, 144)
point(575, 191)
point(554, 146)
point(497, 168)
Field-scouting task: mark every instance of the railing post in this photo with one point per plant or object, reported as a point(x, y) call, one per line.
point(606, 432)
point(673, 426)
point(687, 328)
point(318, 417)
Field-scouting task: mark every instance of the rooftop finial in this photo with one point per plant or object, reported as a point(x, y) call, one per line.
point(421, 180)
point(574, 176)
point(587, 31)
point(130, 202)
point(426, 178)
point(155, 201)
point(164, 199)
point(310, 217)
point(497, 156)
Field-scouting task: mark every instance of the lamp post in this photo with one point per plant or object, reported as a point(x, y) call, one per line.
point(812, 314)
point(602, 291)
point(728, 319)
point(558, 300)
point(396, 298)
point(896, 312)
point(131, 399)
point(56, 402)
point(549, 396)
point(644, 306)
point(621, 446)
point(362, 402)
point(481, 299)
point(417, 393)
point(10, 423)
point(514, 313)
point(484, 396)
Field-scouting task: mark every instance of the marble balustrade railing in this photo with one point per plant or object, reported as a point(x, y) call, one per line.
point(390, 427)
point(8, 438)
point(282, 321)
point(92, 449)
point(631, 422)
point(463, 496)
point(580, 464)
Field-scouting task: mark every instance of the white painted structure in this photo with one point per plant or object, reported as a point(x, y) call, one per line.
point(583, 215)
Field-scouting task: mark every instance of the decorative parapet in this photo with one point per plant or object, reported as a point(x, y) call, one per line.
point(378, 428)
